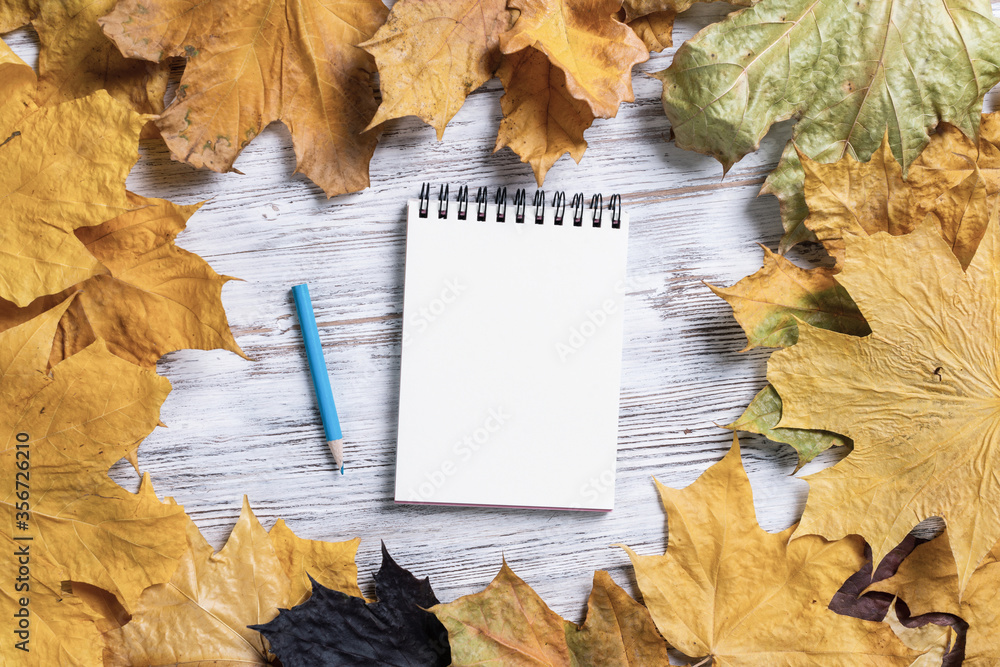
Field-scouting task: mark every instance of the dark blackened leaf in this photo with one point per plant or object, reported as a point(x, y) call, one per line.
point(332, 628)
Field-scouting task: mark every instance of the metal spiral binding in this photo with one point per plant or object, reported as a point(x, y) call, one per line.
point(443, 201)
point(463, 202)
point(539, 204)
point(597, 206)
point(616, 211)
point(559, 204)
point(520, 205)
point(425, 199)
point(578, 202)
point(501, 204)
point(481, 203)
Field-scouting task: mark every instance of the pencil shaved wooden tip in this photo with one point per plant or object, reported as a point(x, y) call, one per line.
point(337, 449)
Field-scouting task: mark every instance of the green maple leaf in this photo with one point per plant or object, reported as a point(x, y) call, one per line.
point(849, 70)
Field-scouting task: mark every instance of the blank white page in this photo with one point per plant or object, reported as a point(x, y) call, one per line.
point(511, 361)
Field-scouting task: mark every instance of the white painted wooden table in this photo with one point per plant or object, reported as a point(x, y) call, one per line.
point(251, 427)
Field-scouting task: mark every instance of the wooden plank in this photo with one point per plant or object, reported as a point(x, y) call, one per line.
point(238, 426)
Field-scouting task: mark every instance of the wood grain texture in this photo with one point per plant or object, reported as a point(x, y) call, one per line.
point(237, 426)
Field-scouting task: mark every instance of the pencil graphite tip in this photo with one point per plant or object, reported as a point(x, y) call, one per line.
point(337, 449)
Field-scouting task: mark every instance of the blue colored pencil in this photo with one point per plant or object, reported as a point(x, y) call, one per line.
point(320, 377)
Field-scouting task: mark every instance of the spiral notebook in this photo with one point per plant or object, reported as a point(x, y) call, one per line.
point(511, 357)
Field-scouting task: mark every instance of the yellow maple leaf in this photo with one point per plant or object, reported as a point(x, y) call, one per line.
point(64, 168)
point(13, 15)
point(726, 588)
point(586, 41)
point(60, 433)
point(951, 157)
point(932, 641)
point(768, 303)
point(55, 628)
point(201, 615)
point(636, 8)
point(541, 120)
point(329, 563)
point(18, 87)
point(763, 415)
point(927, 582)
point(155, 298)
point(917, 396)
point(107, 612)
point(849, 197)
point(432, 53)
point(251, 62)
point(76, 59)
point(508, 624)
point(656, 30)
point(653, 20)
